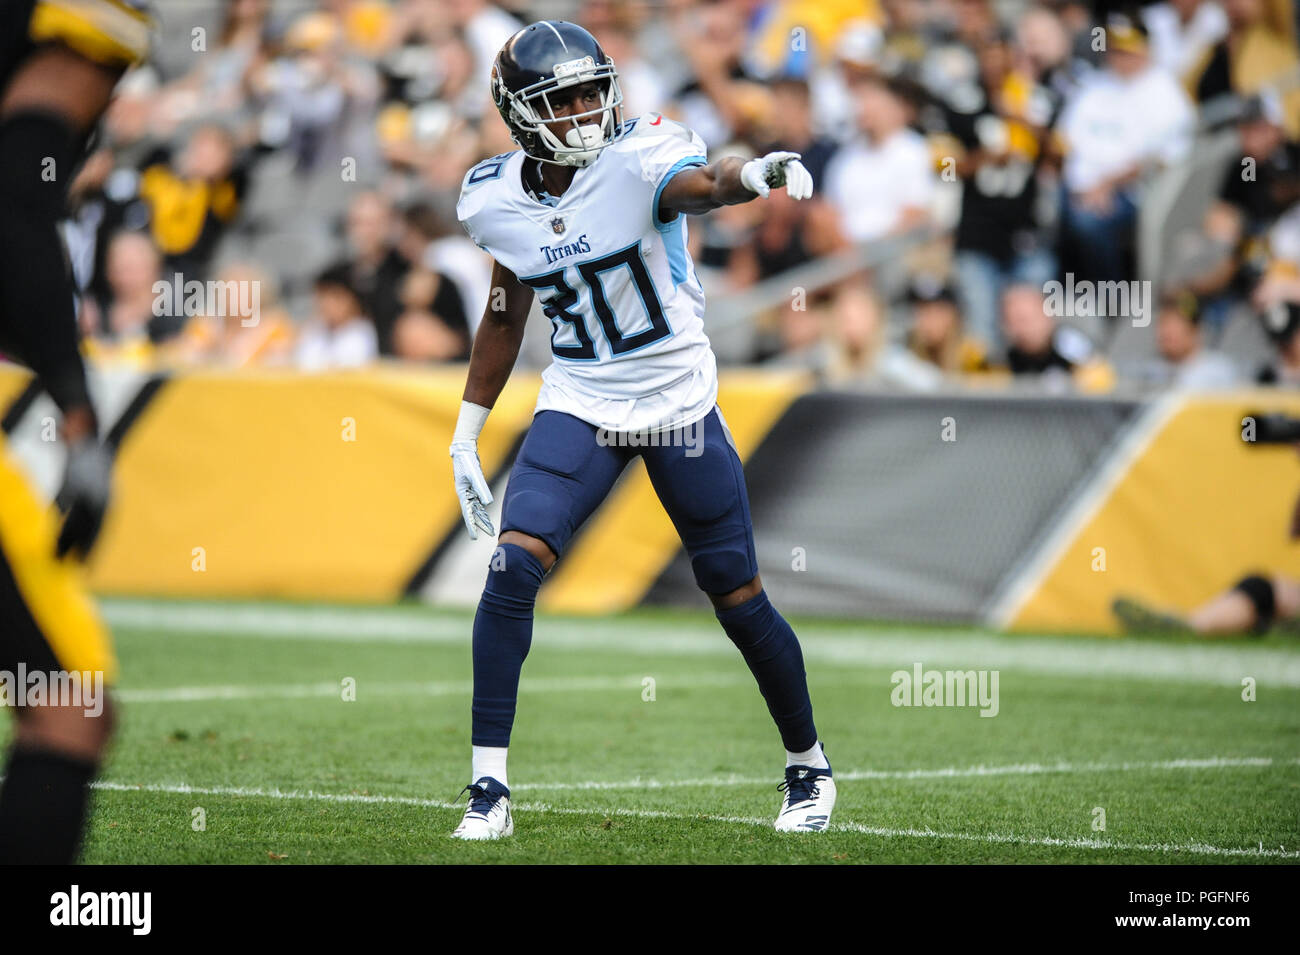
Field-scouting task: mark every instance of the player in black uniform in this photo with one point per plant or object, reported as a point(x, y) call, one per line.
point(59, 62)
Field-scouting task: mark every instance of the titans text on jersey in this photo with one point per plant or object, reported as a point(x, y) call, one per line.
point(556, 252)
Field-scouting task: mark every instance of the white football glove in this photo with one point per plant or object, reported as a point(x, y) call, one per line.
point(775, 170)
point(471, 486)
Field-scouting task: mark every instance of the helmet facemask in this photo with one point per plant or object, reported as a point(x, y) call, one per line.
point(530, 110)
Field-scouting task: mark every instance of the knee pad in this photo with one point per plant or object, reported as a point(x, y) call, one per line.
point(537, 514)
point(514, 577)
point(722, 570)
point(1259, 591)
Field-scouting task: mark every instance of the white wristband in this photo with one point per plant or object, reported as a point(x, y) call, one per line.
point(469, 423)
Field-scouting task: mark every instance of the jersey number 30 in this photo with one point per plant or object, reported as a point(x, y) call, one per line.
point(558, 308)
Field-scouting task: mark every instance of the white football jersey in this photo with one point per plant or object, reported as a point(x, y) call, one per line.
point(626, 307)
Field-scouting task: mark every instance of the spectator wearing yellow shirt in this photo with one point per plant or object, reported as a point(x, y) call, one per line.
point(1260, 49)
point(192, 198)
point(792, 29)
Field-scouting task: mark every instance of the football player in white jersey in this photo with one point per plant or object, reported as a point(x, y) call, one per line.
point(589, 214)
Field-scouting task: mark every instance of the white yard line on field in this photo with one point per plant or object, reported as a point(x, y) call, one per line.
point(952, 772)
point(365, 689)
point(1219, 664)
point(1164, 848)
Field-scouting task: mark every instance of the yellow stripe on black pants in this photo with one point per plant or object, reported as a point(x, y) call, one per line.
point(47, 619)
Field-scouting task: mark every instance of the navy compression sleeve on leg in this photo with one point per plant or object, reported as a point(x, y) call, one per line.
point(772, 653)
point(503, 632)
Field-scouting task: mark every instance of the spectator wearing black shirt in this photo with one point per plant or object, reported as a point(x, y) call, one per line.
point(433, 324)
point(374, 266)
point(1001, 119)
point(792, 232)
point(422, 333)
point(1036, 345)
point(1282, 322)
point(1257, 188)
point(102, 201)
point(1269, 183)
point(420, 228)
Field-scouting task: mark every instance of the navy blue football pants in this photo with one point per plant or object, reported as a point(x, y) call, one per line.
point(564, 470)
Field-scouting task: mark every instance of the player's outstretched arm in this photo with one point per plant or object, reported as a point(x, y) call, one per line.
point(496, 346)
point(731, 181)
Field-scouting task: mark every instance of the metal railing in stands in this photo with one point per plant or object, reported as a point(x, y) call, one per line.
point(729, 311)
point(1228, 107)
point(1175, 199)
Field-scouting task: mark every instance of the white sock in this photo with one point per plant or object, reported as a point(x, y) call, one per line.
point(490, 761)
point(814, 758)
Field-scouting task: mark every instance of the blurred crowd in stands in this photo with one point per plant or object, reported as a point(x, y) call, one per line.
point(1078, 195)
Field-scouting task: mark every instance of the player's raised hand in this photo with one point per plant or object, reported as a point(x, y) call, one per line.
point(775, 170)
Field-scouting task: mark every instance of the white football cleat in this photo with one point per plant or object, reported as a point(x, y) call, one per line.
point(809, 799)
point(488, 814)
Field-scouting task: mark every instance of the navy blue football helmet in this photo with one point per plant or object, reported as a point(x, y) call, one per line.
point(538, 61)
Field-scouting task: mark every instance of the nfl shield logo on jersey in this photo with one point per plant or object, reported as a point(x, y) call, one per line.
point(557, 225)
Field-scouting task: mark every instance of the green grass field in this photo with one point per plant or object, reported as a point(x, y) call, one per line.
point(238, 710)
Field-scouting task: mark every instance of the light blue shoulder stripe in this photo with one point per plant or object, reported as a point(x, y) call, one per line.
point(674, 236)
point(675, 245)
point(677, 167)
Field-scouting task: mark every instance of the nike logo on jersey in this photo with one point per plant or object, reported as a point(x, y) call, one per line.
point(554, 253)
